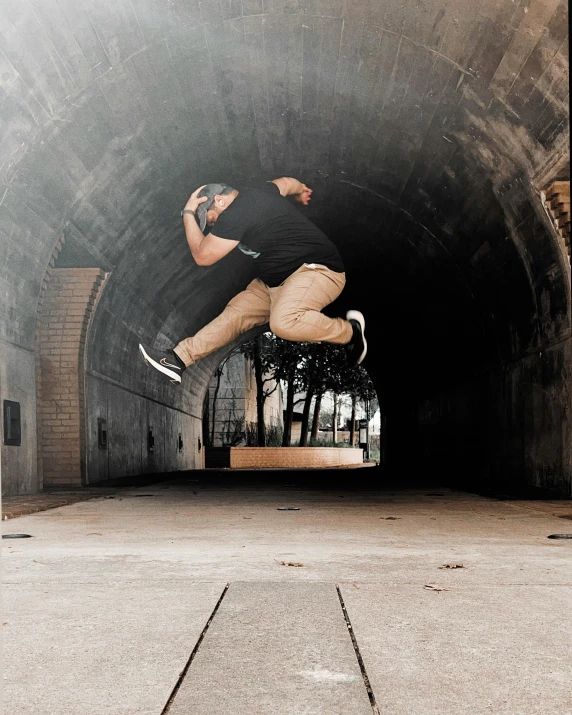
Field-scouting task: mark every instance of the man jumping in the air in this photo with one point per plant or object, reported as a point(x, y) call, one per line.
point(299, 271)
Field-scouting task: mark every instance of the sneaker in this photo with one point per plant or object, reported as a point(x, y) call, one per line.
point(168, 362)
point(357, 347)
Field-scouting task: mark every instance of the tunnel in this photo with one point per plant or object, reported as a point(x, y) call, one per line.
point(429, 132)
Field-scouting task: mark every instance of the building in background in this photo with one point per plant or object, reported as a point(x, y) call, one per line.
point(230, 412)
point(325, 432)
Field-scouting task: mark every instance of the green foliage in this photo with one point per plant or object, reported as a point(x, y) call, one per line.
point(251, 434)
point(233, 432)
point(324, 368)
point(314, 368)
point(328, 442)
point(278, 357)
point(274, 436)
point(321, 367)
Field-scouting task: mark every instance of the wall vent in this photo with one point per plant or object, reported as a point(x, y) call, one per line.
point(12, 424)
point(102, 433)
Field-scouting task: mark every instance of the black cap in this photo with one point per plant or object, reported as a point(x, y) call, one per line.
point(210, 190)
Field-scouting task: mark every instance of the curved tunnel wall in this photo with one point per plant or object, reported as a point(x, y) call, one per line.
point(426, 131)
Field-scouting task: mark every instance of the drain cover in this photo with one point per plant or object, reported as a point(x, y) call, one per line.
point(560, 536)
point(16, 536)
point(288, 508)
point(565, 516)
point(144, 495)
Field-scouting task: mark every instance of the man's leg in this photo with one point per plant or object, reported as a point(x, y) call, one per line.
point(249, 308)
point(296, 315)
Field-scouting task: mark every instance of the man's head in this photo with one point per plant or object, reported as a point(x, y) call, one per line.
point(220, 197)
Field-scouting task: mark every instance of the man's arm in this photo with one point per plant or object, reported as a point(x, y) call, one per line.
point(292, 187)
point(207, 249)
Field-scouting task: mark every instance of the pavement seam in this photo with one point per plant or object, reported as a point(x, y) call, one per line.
point(183, 673)
point(364, 675)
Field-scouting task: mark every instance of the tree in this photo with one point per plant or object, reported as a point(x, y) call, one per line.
point(353, 421)
point(233, 428)
point(260, 351)
point(325, 419)
point(261, 394)
point(361, 388)
point(325, 369)
point(318, 372)
point(212, 415)
point(316, 417)
point(311, 368)
point(287, 360)
point(308, 382)
point(274, 359)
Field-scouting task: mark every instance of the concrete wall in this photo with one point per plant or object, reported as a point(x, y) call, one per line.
point(506, 432)
point(506, 423)
point(272, 406)
point(236, 402)
point(128, 419)
point(17, 383)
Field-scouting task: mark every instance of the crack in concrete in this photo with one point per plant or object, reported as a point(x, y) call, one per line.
point(183, 673)
point(370, 693)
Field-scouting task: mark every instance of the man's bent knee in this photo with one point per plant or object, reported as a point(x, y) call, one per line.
point(291, 328)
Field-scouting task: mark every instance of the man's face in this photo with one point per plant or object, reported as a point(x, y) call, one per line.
point(219, 204)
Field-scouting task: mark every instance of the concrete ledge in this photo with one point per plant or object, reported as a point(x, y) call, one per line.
point(268, 457)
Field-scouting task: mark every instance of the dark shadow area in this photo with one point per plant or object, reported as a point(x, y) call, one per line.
point(350, 479)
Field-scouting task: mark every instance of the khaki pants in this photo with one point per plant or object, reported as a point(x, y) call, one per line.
point(292, 309)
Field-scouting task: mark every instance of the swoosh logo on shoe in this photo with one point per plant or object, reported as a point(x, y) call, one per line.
point(164, 362)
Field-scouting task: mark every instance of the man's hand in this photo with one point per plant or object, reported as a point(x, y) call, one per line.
point(292, 187)
point(194, 201)
point(304, 196)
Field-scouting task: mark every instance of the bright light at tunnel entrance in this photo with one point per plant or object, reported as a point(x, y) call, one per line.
point(270, 392)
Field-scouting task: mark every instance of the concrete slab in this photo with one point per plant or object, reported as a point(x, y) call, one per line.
point(103, 649)
point(195, 530)
point(104, 581)
point(273, 649)
point(504, 650)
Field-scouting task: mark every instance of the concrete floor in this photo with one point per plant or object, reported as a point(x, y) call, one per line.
point(105, 605)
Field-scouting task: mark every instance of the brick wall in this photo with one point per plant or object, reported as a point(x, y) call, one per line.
point(557, 202)
point(292, 457)
point(64, 313)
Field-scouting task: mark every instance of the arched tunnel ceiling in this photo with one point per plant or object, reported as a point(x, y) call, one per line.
point(421, 126)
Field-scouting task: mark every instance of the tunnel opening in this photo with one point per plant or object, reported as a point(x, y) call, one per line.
point(271, 394)
point(428, 134)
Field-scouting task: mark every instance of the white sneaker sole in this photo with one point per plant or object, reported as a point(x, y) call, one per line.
point(153, 363)
point(356, 315)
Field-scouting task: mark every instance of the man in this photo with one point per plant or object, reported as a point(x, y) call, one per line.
point(299, 271)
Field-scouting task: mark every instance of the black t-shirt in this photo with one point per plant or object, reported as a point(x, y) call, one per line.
point(275, 234)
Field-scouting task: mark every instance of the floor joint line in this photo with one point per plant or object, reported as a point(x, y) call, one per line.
point(364, 675)
point(183, 673)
